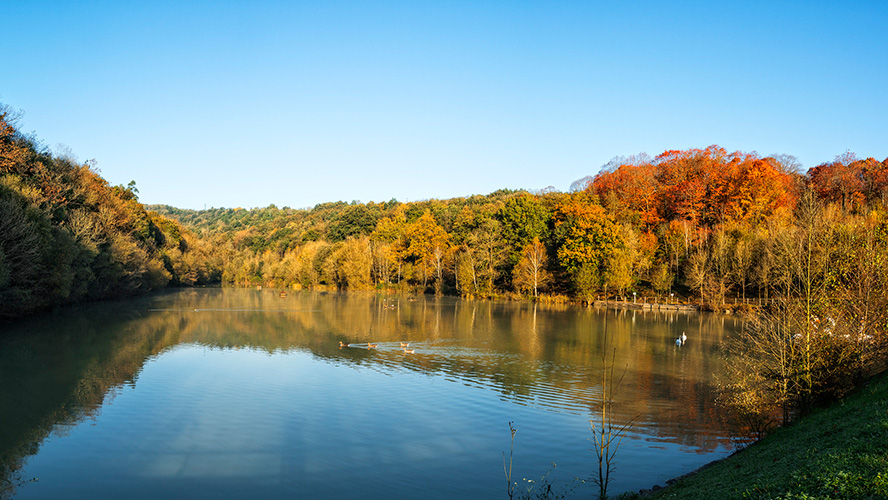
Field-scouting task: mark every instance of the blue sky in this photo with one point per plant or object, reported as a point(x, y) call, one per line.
point(245, 104)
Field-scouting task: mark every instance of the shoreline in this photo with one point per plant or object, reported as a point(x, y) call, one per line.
point(597, 303)
point(848, 436)
point(656, 488)
point(615, 304)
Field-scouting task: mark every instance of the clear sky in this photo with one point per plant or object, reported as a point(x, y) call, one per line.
point(249, 103)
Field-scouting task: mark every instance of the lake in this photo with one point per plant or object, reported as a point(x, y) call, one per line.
point(233, 393)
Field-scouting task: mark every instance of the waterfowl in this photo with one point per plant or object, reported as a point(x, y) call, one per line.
point(370, 346)
point(405, 344)
point(343, 344)
point(409, 351)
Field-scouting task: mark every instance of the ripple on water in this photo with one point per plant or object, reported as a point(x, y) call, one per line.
point(301, 418)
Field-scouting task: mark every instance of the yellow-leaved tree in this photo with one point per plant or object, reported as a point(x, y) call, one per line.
point(427, 245)
point(530, 273)
point(586, 237)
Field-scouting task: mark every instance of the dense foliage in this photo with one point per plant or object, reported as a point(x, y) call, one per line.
point(702, 221)
point(67, 235)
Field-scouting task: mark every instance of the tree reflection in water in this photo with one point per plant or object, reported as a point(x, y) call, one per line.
point(59, 369)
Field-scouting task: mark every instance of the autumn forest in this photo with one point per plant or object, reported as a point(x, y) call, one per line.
point(805, 251)
point(707, 223)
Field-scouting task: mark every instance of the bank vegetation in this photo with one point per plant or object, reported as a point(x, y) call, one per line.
point(67, 235)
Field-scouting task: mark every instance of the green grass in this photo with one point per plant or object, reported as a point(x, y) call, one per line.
point(837, 452)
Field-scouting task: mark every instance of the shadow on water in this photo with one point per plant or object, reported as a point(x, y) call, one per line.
point(57, 370)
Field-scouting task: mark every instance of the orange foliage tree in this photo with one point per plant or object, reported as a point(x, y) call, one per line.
point(631, 188)
point(12, 152)
point(850, 181)
point(749, 190)
point(683, 179)
point(702, 186)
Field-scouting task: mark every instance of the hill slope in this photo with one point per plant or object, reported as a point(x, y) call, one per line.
point(67, 235)
point(837, 452)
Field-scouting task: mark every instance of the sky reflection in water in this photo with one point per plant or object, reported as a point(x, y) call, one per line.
point(227, 393)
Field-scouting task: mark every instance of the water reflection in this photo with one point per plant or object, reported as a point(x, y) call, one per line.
point(58, 370)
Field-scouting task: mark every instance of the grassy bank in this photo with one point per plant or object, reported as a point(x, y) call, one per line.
point(837, 452)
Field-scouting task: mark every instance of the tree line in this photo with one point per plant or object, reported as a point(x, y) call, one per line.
point(704, 222)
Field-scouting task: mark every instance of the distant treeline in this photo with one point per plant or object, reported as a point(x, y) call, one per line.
point(67, 235)
point(705, 221)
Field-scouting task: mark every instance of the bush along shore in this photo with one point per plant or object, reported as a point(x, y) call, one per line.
point(840, 451)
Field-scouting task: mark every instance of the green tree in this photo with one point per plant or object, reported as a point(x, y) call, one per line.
point(353, 220)
point(587, 280)
point(524, 218)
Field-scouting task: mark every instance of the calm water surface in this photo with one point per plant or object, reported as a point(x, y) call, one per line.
point(233, 393)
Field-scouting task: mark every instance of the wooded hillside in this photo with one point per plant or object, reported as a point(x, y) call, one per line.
point(705, 221)
point(67, 235)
